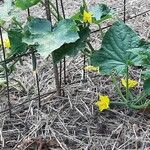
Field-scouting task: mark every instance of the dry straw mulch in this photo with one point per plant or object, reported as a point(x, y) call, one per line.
point(73, 122)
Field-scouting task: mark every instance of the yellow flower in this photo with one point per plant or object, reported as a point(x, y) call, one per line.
point(92, 69)
point(103, 103)
point(87, 17)
point(131, 83)
point(6, 43)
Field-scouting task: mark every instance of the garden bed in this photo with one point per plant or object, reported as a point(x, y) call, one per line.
point(72, 121)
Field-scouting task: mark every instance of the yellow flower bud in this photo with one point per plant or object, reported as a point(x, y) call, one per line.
point(92, 69)
point(87, 17)
point(6, 43)
point(131, 83)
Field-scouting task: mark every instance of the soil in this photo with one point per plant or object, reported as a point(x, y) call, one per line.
point(72, 122)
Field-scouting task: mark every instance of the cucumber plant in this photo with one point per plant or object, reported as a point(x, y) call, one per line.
point(121, 47)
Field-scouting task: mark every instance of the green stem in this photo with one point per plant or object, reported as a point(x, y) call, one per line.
point(90, 46)
point(146, 104)
point(20, 84)
point(3, 28)
point(87, 51)
point(55, 67)
point(127, 83)
point(131, 95)
point(118, 103)
point(53, 6)
point(54, 14)
point(86, 54)
point(21, 61)
point(17, 23)
point(141, 97)
point(118, 89)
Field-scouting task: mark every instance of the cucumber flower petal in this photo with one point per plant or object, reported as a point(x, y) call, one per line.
point(103, 103)
point(92, 69)
point(131, 83)
point(87, 17)
point(6, 43)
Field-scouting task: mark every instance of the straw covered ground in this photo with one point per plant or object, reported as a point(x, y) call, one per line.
point(73, 122)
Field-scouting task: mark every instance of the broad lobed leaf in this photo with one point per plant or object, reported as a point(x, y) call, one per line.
point(47, 41)
point(73, 48)
point(114, 54)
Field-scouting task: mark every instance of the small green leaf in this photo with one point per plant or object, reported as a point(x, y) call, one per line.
point(100, 12)
point(38, 26)
point(114, 54)
point(15, 37)
point(77, 16)
point(147, 86)
point(25, 4)
point(64, 32)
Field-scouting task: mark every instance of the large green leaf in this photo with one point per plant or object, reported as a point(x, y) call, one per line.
point(63, 33)
point(100, 12)
point(114, 54)
point(73, 48)
point(5, 9)
point(25, 4)
point(15, 37)
point(147, 86)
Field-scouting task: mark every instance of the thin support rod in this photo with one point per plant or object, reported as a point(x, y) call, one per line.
point(48, 11)
point(60, 74)
point(6, 72)
point(65, 72)
point(140, 14)
point(84, 63)
point(28, 10)
point(60, 66)
point(63, 10)
point(55, 67)
point(38, 89)
point(124, 11)
point(64, 61)
point(34, 63)
point(57, 10)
